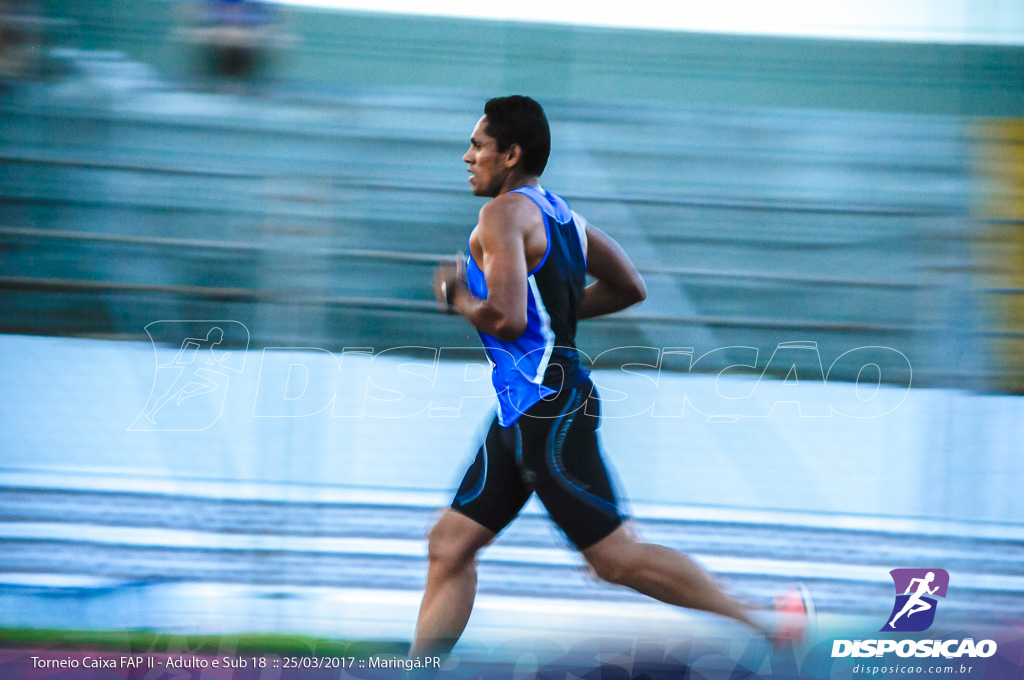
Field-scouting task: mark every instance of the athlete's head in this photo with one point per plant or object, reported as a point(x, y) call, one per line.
point(512, 138)
point(930, 576)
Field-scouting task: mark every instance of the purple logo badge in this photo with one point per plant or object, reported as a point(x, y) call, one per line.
point(914, 609)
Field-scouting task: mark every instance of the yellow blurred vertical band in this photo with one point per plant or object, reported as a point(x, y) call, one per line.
point(1000, 168)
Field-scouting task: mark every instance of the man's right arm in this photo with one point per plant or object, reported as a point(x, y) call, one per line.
point(618, 285)
point(503, 262)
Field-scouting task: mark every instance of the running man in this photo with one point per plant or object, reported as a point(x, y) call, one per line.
point(523, 288)
point(914, 603)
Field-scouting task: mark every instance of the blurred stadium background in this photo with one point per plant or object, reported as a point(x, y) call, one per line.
point(298, 171)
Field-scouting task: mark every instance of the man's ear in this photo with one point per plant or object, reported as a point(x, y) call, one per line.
point(513, 155)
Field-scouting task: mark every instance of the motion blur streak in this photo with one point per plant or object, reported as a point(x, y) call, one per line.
point(1001, 244)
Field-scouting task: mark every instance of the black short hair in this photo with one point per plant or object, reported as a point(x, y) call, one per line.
point(520, 120)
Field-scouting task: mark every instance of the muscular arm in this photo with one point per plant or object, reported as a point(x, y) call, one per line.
point(618, 285)
point(503, 225)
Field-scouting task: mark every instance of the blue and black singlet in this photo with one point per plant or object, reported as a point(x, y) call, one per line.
point(544, 436)
point(543, 359)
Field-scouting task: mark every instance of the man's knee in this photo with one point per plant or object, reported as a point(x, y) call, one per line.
point(614, 568)
point(444, 548)
point(451, 546)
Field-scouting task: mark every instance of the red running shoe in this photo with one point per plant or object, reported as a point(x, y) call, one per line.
point(794, 617)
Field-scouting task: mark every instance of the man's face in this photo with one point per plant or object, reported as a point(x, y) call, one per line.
point(487, 166)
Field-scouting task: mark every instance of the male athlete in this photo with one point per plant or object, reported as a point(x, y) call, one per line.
point(523, 288)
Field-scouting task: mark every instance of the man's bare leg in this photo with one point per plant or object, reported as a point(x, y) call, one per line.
point(451, 582)
point(663, 574)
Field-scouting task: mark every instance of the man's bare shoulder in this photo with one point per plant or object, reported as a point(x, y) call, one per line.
point(510, 211)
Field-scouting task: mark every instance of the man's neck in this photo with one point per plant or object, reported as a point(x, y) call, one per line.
point(518, 182)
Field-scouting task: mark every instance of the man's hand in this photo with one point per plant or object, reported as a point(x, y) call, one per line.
point(449, 278)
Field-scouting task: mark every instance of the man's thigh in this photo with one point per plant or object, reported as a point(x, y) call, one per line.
point(492, 491)
point(572, 478)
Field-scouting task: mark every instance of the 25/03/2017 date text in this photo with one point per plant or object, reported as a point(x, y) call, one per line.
point(353, 662)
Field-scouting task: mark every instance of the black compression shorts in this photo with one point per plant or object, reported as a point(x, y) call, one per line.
point(551, 449)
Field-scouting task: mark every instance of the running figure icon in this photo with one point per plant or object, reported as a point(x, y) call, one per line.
point(199, 380)
point(915, 604)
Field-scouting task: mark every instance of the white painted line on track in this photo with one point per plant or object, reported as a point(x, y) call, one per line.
point(406, 548)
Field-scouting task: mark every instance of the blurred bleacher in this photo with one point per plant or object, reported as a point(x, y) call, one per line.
point(317, 224)
point(765, 186)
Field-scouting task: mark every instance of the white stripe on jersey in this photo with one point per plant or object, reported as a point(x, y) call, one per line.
point(545, 329)
point(581, 230)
